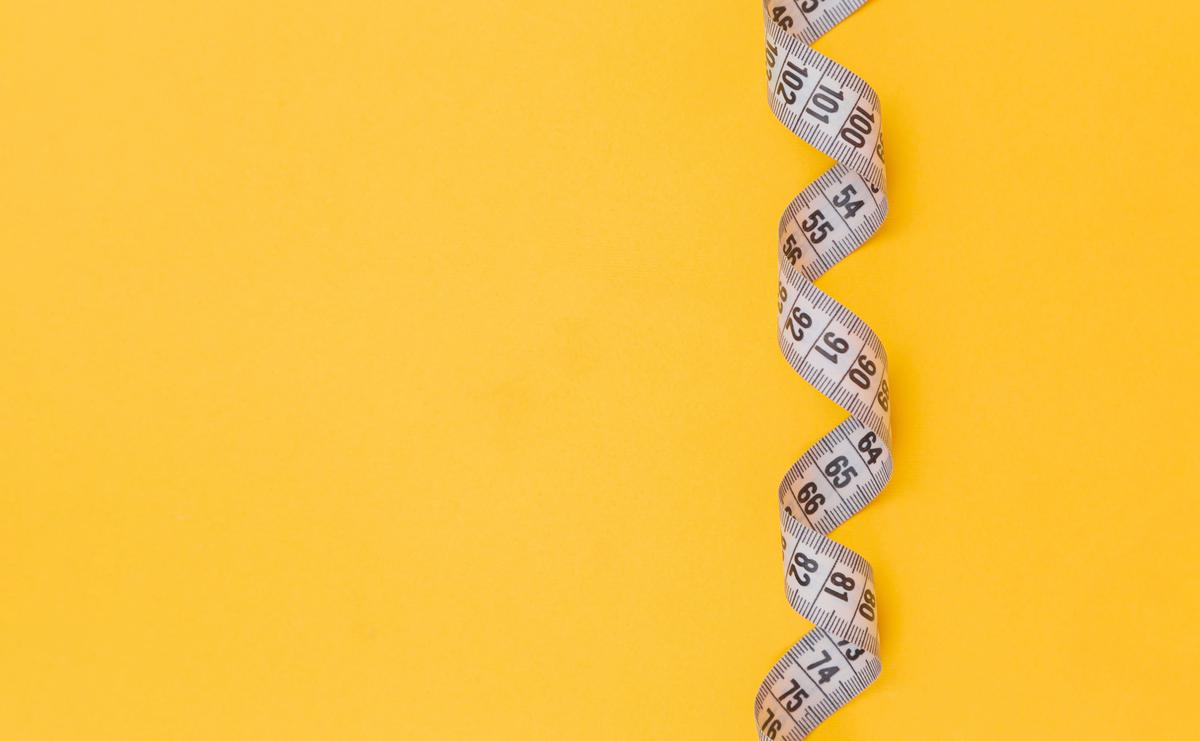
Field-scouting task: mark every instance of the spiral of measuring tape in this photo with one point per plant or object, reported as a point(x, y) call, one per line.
point(833, 587)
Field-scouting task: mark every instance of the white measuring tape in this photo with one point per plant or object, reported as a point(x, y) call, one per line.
point(832, 109)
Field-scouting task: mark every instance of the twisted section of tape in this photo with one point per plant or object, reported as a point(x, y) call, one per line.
point(833, 587)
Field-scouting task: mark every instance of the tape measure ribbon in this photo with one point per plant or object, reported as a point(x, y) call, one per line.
point(833, 587)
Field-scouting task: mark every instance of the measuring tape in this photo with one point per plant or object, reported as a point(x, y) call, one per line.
point(832, 109)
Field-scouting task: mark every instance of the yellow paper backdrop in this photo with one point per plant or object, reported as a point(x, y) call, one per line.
point(407, 370)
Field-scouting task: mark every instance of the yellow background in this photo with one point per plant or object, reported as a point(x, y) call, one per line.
point(407, 370)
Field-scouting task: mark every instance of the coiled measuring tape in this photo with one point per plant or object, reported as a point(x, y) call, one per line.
point(832, 109)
